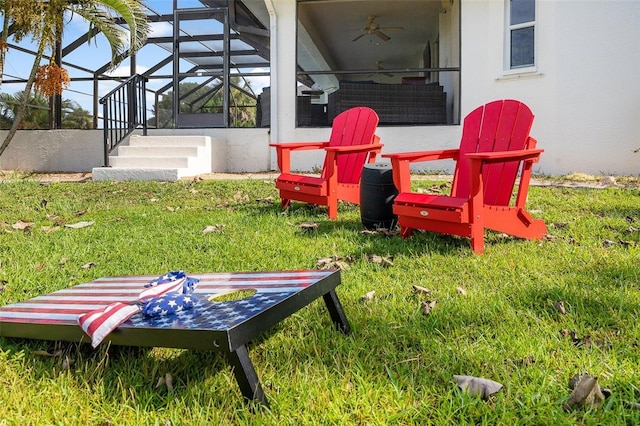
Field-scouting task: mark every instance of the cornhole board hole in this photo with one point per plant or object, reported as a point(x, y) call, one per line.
point(215, 323)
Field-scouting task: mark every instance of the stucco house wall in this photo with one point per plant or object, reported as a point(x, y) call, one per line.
point(585, 93)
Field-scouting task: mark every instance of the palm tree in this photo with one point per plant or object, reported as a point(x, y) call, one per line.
point(37, 113)
point(44, 21)
point(74, 116)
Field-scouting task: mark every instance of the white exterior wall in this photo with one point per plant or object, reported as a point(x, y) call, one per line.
point(245, 150)
point(53, 150)
point(586, 92)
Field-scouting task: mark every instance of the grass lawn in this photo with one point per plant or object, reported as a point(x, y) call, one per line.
point(397, 365)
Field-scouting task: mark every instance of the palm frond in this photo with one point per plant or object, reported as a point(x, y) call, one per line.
point(101, 17)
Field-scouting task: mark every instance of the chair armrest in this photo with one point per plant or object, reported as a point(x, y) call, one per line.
point(294, 146)
point(401, 162)
point(504, 156)
point(283, 152)
point(354, 148)
point(477, 160)
point(418, 156)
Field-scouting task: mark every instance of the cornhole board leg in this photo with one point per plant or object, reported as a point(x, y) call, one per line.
point(338, 316)
point(246, 375)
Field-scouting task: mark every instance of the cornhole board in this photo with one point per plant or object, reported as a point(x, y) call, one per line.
point(210, 325)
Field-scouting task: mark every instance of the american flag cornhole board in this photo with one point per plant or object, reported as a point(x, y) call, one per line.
point(210, 325)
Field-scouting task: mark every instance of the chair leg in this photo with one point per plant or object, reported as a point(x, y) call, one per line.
point(333, 210)
point(405, 232)
point(285, 203)
point(477, 239)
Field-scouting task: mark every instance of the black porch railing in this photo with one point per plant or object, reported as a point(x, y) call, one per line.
point(124, 110)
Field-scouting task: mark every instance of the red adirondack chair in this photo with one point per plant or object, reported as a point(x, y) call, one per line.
point(494, 149)
point(352, 143)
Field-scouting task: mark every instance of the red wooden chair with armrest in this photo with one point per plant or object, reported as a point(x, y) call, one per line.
point(495, 149)
point(352, 143)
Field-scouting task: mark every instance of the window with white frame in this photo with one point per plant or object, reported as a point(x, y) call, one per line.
point(521, 33)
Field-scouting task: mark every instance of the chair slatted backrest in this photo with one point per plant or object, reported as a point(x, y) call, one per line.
point(497, 126)
point(355, 126)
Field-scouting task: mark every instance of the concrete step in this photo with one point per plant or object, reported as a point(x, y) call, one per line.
point(159, 151)
point(159, 158)
point(182, 140)
point(147, 162)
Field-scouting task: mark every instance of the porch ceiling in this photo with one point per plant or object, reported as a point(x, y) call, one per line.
point(336, 23)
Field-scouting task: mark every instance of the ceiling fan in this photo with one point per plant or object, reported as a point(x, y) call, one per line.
point(373, 27)
point(379, 68)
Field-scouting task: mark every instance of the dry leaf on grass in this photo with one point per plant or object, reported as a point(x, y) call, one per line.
point(79, 225)
point(49, 229)
point(166, 380)
point(218, 228)
point(240, 197)
point(559, 305)
point(505, 236)
point(478, 386)
point(570, 333)
point(266, 200)
point(608, 243)
point(335, 262)
point(22, 225)
point(428, 306)
point(559, 225)
point(309, 226)
point(526, 361)
point(169, 382)
point(584, 341)
point(586, 392)
point(631, 404)
point(368, 296)
point(380, 231)
point(461, 291)
point(67, 362)
point(420, 289)
point(88, 265)
point(381, 260)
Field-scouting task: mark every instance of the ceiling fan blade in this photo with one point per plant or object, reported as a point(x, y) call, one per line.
point(392, 28)
point(359, 37)
point(382, 35)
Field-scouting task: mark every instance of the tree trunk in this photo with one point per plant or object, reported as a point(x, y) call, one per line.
point(23, 106)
